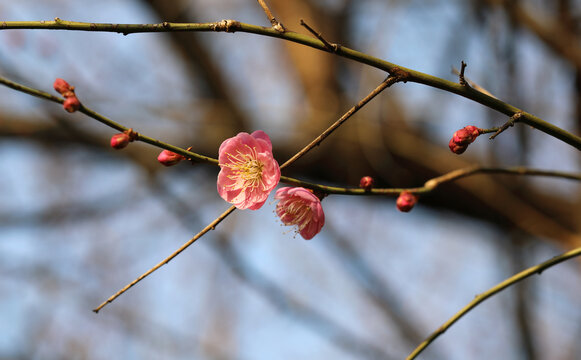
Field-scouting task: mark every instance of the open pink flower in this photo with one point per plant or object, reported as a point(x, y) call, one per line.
point(299, 206)
point(248, 170)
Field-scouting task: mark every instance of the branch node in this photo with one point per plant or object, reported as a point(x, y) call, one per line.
point(329, 46)
point(275, 24)
point(513, 119)
point(133, 135)
point(227, 26)
point(399, 74)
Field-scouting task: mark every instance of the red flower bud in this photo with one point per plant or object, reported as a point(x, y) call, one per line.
point(61, 86)
point(169, 158)
point(406, 201)
point(366, 183)
point(72, 104)
point(119, 141)
point(462, 138)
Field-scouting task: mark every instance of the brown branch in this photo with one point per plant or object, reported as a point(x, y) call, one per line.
point(390, 80)
point(318, 35)
point(513, 119)
point(210, 226)
point(461, 79)
point(276, 25)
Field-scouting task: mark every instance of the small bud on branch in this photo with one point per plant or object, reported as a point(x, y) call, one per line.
point(366, 183)
point(406, 201)
point(169, 158)
point(462, 138)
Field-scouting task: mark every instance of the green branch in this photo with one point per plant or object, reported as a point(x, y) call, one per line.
point(103, 119)
point(431, 184)
point(233, 26)
point(537, 269)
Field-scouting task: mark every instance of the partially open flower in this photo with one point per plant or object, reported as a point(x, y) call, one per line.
point(299, 206)
point(119, 141)
point(462, 138)
point(248, 172)
point(169, 158)
point(72, 104)
point(366, 183)
point(406, 201)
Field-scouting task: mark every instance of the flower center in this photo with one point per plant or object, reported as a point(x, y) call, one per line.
point(299, 214)
point(245, 167)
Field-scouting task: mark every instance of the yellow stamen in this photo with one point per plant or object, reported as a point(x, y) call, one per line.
point(301, 213)
point(245, 166)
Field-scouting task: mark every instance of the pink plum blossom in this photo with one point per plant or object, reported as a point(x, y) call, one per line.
point(248, 172)
point(299, 206)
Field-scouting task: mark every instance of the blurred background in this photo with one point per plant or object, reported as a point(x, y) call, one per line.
point(79, 220)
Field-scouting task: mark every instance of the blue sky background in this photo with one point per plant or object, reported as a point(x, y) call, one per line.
point(105, 225)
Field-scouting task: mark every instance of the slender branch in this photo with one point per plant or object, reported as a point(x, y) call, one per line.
point(473, 84)
point(390, 80)
point(431, 184)
point(318, 35)
point(537, 269)
point(513, 119)
point(103, 119)
point(233, 26)
point(461, 79)
point(275, 24)
point(210, 226)
point(428, 186)
point(519, 170)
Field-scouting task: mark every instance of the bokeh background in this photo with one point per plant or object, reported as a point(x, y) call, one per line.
point(79, 220)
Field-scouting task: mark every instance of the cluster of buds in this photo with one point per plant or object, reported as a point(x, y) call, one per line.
point(71, 103)
point(121, 140)
point(462, 138)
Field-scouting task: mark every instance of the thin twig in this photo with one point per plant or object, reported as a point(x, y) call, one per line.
point(431, 184)
point(390, 80)
point(513, 119)
point(331, 47)
point(275, 24)
point(537, 269)
point(473, 84)
point(461, 79)
point(105, 120)
point(210, 226)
